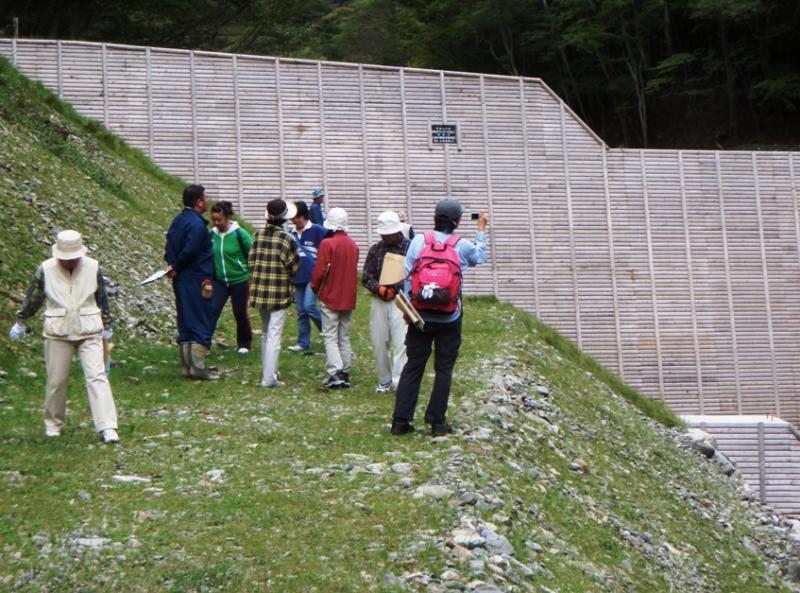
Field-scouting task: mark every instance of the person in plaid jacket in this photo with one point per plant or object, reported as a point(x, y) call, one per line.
point(273, 261)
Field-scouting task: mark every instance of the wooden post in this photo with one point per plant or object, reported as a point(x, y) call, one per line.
point(529, 192)
point(60, 66)
point(690, 271)
point(571, 222)
point(407, 167)
point(280, 125)
point(321, 100)
point(444, 121)
point(236, 110)
point(150, 129)
point(652, 268)
point(104, 54)
point(729, 285)
point(489, 191)
point(765, 278)
point(365, 152)
point(613, 264)
point(15, 27)
point(195, 157)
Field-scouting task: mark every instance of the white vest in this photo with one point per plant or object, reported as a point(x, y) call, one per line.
point(72, 312)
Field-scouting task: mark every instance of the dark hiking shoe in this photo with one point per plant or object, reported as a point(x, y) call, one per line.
point(441, 430)
point(401, 428)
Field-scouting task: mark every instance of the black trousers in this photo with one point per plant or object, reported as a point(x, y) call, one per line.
point(446, 339)
point(239, 295)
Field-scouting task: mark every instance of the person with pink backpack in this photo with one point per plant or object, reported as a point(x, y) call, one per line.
point(434, 268)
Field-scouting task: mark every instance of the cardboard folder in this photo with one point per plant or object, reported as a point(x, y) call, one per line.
point(393, 270)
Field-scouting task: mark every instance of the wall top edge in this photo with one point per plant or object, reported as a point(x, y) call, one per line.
point(273, 58)
point(705, 151)
point(378, 67)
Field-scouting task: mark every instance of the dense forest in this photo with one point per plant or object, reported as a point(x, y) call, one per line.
point(643, 73)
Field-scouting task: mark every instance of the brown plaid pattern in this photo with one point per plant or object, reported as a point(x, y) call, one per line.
point(273, 261)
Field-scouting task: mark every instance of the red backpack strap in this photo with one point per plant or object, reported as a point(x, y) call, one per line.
point(430, 238)
point(452, 240)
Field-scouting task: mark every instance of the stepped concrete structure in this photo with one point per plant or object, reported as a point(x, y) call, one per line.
point(677, 269)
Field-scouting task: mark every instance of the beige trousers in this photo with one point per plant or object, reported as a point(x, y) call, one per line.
point(388, 332)
point(58, 356)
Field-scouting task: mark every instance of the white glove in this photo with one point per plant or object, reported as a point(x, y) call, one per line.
point(107, 333)
point(17, 331)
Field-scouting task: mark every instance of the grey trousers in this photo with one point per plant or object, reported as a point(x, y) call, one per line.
point(336, 335)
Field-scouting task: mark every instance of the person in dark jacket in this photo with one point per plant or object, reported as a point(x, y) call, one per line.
point(308, 237)
point(316, 213)
point(190, 264)
point(386, 323)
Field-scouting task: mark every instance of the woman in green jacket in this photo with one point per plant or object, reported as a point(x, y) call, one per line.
point(231, 247)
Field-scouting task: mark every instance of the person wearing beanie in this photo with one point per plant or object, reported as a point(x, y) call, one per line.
point(387, 326)
point(190, 264)
point(77, 319)
point(308, 237)
point(335, 282)
point(272, 262)
point(442, 330)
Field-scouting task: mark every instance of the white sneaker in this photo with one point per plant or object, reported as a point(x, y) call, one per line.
point(243, 350)
point(110, 436)
point(296, 348)
point(383, 388)
point(51, 432)
point(275, 383)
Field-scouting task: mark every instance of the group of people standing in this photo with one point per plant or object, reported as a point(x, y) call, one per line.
point(313, 265)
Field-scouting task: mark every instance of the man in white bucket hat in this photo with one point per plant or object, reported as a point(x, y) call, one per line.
point(386, 323)
point(76, 318)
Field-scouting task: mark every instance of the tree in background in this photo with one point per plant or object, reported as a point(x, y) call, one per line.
point(699, 73)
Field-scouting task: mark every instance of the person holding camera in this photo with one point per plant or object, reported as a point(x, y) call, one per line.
point(433, 268)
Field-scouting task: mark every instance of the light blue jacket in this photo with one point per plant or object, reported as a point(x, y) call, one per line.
point(471, 253)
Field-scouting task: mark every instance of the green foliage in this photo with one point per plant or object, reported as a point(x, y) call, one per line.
point(721, 69)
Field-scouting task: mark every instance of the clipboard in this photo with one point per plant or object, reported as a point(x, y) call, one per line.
point(409, 312)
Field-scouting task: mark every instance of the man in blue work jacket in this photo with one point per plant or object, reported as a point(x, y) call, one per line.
point(190, 258)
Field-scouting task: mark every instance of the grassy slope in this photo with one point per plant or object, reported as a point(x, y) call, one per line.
point(299, 507)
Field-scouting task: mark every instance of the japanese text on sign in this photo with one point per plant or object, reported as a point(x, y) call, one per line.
point(444, 134)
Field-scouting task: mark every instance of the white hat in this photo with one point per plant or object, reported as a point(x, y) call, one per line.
point(278, 209)
point(389, 223)
point(336, 220)
point(69, 245)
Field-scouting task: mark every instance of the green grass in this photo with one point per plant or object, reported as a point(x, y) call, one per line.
point(291, 514)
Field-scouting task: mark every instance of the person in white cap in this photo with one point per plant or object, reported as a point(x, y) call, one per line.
point(335, 281)
point(387, 326)
point(77, 319)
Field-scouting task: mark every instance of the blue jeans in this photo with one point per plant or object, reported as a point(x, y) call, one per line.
point(306, 302)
